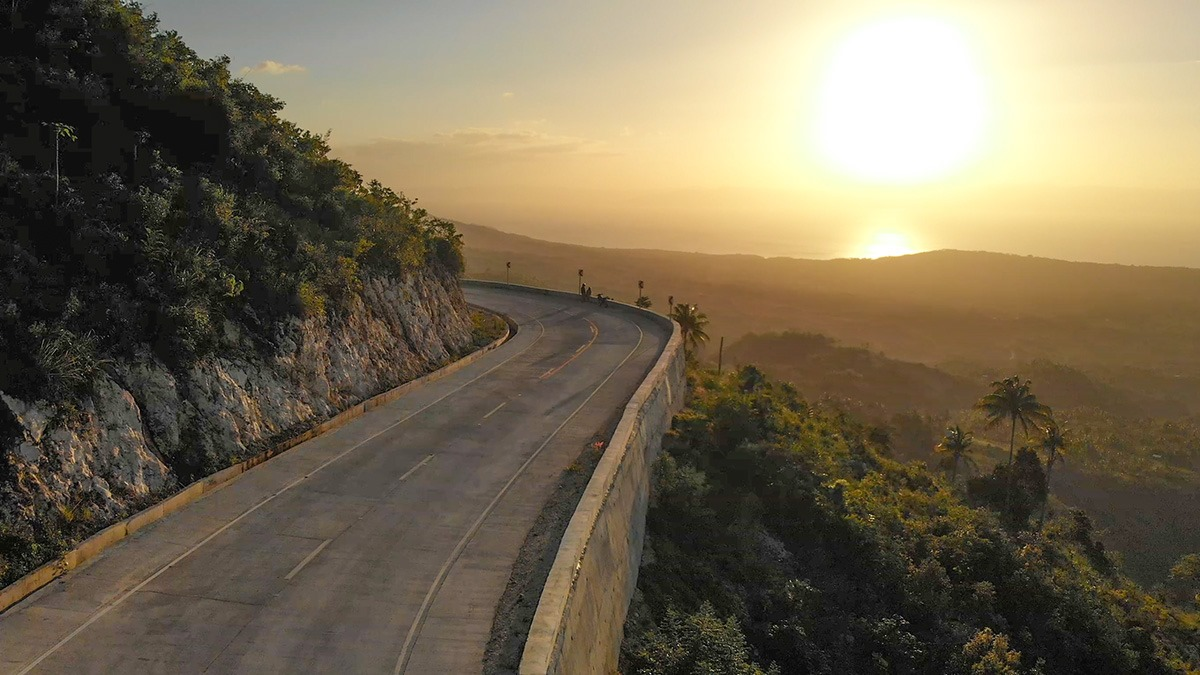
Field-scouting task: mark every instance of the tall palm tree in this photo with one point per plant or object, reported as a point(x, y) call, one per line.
point(956, 445)
point(61, 131)
point(1053, 441)
point(692, 323)
point(1013, 399)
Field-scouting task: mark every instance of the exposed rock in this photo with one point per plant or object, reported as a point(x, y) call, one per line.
point(146, 429)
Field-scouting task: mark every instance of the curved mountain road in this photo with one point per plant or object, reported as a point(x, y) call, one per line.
point(381, 547)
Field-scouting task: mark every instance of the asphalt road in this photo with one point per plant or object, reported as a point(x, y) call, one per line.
point(381, 547)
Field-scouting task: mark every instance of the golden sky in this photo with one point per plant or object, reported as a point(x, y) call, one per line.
point(698, 125)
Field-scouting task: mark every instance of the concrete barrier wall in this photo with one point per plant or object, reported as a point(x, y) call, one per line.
point(580, 617)
point(114, 534)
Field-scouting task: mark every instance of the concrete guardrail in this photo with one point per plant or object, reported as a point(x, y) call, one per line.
point(579, 622)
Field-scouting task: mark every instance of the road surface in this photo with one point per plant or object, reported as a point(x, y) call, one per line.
point(381, 547)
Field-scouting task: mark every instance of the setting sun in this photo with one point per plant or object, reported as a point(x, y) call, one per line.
point(886, 245)
point(902, 101)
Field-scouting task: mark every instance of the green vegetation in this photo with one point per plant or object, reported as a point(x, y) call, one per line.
point(150, 196)
point(486, 328)
point(783, 535)
point(1130, 460)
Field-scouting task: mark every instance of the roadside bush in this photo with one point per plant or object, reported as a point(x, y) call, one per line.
point(485, 328)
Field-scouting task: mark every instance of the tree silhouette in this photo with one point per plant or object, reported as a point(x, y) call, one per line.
point(692, 323)
point(1053, 442)
point(1013, 399)
point(956, 444)
point(751, 379)
point(60, 131)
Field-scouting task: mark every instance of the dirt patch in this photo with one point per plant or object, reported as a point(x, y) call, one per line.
point(514, 612)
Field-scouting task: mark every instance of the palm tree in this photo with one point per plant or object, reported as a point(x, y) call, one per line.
point(692, 323)
point(956, 444)
point(60, 131)
point(1053, 441)
point(1013, 399)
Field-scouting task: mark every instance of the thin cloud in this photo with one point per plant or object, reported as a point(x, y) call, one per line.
point(273, 68)
point(481, 148)
point(507, 94)
point(518, 141)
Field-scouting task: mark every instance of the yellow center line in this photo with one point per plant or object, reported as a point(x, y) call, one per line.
point(578, 352)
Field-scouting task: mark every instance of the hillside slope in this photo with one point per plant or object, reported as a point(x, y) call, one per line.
point(1133, 459)
point(785, 538)
point(187, 276)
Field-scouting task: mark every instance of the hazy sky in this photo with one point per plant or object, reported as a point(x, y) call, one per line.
point(691, 125)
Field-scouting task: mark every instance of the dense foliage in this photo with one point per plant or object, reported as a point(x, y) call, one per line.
point(785, 536)
point(1131, 455)
point(147, 196)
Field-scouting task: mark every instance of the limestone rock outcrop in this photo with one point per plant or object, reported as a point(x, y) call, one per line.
point(147, 429)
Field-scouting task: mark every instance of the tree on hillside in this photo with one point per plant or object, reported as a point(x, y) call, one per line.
point(1185, 578)
point(750, 378)
point(1053, 442)
point(956, 445)
point(1013, 399)
point(988, 653)
point(692, 323)
point(1014, 491)
point(61, 131)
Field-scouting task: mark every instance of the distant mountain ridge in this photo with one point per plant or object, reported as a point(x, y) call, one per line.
point(984, 307)
point(494, 234)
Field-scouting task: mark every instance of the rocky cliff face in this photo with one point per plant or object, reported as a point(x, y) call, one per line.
point(148, 429)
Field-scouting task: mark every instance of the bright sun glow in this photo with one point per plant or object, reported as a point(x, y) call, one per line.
point(886, 244)
point(903, 101)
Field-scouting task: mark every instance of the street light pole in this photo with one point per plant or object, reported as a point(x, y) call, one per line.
point(507, 271)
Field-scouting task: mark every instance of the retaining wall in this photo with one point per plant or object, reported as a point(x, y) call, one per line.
point(578, 625)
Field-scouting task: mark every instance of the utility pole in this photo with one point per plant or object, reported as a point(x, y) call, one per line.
point(721, 355)
point(507, 272)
